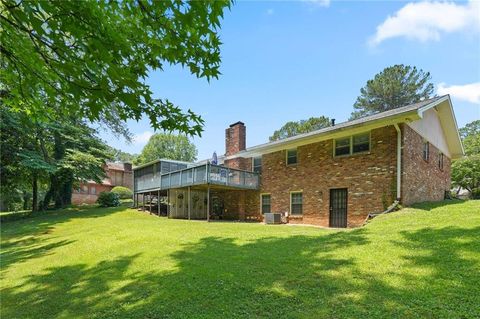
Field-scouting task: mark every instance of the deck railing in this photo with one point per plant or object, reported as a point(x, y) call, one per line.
point(202, 174)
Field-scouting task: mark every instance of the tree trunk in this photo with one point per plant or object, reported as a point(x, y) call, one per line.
point(25, 200)
point(34, 193)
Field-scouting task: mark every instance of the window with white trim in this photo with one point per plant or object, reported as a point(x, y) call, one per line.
point(354, 144)
point(296, 203)
point(257, 164)
point(266, 203)
point(292, 156)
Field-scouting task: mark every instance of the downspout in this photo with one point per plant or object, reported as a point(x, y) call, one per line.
point(399, 161)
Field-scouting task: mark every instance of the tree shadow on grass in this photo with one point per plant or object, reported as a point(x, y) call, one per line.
point(29, 238)
point(294, 277)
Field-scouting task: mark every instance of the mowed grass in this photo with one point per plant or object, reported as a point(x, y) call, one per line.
point(121, 263)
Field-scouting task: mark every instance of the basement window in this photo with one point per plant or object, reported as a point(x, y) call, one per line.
point(426, 151)
point(292, 156)
point(296, 203)
point(257, 164)
point(266, 204)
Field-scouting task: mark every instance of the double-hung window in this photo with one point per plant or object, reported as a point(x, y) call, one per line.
point(266, 203)
point(257, 164)
point(292, 156)
point(296, 203)
point(342, 146)
point(354, 144)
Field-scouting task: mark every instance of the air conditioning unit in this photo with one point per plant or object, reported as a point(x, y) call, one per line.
point(273, 218)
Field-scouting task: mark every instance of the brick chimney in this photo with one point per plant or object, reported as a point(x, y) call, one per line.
point(235, 138)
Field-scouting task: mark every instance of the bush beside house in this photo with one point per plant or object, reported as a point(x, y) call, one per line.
point(108, 199)
point(123, 192)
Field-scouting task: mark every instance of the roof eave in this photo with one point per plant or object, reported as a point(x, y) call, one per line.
point(334, 133)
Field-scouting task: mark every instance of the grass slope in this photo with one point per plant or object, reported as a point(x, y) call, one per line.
point(120, 263)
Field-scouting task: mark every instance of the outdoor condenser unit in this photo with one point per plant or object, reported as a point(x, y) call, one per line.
point(273, 218)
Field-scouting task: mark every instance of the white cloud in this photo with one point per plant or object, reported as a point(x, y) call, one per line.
point(320, 3)
point(426, 20)
point(468, 92)
point(142, 138)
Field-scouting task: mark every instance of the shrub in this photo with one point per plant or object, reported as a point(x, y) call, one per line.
point(108, 199)
point(123, 192)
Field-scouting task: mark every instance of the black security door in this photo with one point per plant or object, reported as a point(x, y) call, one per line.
point(338, 207)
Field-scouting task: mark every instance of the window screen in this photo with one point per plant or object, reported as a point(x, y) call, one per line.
point(266, 204)
point(361, 143)
point(257, 164)
point(297, 203)
point(292, 156)
point(342, 146)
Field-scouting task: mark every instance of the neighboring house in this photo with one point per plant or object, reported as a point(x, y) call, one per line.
point(332, 177)
point(117, 174)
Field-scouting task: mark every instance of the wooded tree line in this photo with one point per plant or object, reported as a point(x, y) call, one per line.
point(41, 162)
point(69, 65)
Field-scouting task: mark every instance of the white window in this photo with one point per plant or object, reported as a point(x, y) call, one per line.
point(292, 156)
point(296, 203)
point(354, 144)
point(266, 203)
point(257, 164)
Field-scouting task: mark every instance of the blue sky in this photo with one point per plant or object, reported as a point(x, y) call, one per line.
point(284, 61)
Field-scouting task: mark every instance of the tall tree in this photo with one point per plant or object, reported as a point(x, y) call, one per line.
point(466, 171)
point(175, 147)
point(91, 58)
point(394, 87)
point(470, 135)
point(57, 154)
point(293, 128)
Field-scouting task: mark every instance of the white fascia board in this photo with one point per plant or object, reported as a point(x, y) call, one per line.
point(331, 134)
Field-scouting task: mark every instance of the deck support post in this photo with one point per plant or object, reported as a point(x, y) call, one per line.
point(189, 202)
point(150, 203)
point(168, 203)
point(143, 201)
point(208, 203)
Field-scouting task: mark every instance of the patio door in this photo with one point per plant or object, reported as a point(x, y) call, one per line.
point(338, 207)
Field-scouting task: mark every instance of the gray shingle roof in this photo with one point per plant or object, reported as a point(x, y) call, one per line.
point(360, 121)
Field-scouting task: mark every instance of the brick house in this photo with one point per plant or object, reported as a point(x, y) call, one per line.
point(332, 177)
point(117, 174)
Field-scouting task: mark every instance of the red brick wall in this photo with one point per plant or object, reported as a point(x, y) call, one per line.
point(370, 179)
point(422, 180)
point(235, 138)
point(86, 197)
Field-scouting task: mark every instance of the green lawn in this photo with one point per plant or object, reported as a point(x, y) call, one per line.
point(120, 263)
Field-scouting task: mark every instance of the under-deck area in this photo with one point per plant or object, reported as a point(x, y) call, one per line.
point(203, 192)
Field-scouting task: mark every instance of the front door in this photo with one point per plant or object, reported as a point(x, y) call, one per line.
point(338, 207)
